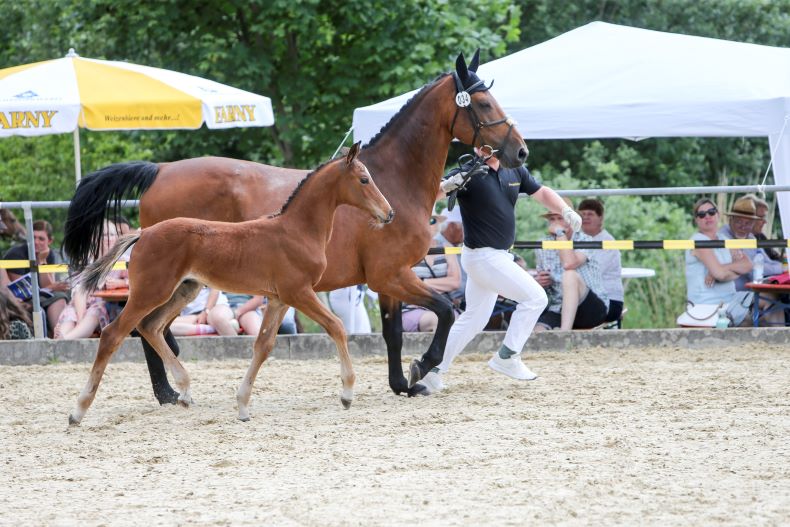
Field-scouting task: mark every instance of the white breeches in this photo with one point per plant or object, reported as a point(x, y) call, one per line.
point(490, 273)
point(348, 304)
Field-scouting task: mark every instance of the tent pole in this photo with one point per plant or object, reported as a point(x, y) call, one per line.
point(780, 159)
point(77, 164)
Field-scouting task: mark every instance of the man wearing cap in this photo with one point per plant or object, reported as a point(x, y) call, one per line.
point(577, 298)
point(487, 197)
point(742, 218)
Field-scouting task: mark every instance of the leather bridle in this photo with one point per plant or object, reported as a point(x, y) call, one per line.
point(463, 99)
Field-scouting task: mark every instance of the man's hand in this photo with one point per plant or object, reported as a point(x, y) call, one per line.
point(572, 218)
point(41, 256)
point(543, 278)
point(456, 180)
point(452, 182)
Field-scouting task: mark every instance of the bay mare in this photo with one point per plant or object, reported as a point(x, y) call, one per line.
point(281, 256)
point(407, 157)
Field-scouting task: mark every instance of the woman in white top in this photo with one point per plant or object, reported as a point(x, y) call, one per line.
point(711, 273)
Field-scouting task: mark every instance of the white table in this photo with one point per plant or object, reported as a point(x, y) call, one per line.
point(637, 272)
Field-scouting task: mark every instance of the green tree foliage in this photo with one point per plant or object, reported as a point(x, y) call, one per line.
point(320, 59)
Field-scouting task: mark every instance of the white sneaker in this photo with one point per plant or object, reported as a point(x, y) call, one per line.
point(512, 367)
point(433, 381)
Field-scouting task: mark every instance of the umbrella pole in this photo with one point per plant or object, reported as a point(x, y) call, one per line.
point(77, 164)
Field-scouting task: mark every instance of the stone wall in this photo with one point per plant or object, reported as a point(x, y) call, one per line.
point(312, 346)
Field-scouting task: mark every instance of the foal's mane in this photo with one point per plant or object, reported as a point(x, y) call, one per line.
point(298, 188)
point(405, 109)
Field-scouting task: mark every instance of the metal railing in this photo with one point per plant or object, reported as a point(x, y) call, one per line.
point(28, 206)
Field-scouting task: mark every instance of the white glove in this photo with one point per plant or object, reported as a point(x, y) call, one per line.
point(572, 218)
point(456, 180)
point(452, 182)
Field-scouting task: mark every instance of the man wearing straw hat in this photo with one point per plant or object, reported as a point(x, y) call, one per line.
point(742, 218)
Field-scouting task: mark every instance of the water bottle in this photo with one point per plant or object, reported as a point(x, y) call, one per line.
point(757, 271)
point(723, 321)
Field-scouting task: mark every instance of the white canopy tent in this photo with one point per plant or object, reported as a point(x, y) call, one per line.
point(603, 80)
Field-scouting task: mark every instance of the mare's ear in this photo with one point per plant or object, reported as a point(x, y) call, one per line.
point(475, 61)
point(352, 153)
point(460, 67)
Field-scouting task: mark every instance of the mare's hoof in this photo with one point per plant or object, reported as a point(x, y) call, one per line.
point(186, 402)
point(346, 403)
point(244, 419)
point(167, 397)
point(415, 373)
point(73, 421)
point(418, 389)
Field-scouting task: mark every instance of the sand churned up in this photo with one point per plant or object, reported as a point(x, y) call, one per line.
point(603, 437)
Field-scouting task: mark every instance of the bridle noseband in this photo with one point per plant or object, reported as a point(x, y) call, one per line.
point(463, 99)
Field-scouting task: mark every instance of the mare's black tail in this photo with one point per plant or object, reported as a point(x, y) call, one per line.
point(99, 196)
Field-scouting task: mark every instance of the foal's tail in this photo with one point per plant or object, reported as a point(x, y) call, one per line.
point(89, 279)
point(99, 195)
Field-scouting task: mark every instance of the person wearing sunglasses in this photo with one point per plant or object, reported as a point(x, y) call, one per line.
point(711, 273)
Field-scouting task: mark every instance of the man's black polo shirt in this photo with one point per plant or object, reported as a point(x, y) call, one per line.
point(488, 206)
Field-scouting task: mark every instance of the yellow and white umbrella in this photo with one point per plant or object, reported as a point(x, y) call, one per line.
point(58, 96)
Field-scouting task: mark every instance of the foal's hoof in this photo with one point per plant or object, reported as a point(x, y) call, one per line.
point(346, 403)
point(418, 389)
point(415, 373)
point(73, 421)
point(244, 419)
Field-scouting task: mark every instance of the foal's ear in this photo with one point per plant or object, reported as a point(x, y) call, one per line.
point(475, 61)
point(460, 67)
point(352, 153)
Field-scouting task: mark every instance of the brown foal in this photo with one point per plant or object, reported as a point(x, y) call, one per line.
point(282, 257)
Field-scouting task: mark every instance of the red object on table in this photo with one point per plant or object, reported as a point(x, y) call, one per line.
point(768, 288)
point(113, 295)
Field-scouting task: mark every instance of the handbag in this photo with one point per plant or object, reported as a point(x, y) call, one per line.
point(699, 315)
point(706, 315)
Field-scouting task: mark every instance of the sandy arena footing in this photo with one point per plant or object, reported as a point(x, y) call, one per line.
point(624, 436)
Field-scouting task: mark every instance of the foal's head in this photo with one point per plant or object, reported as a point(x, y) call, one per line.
point(356, 187)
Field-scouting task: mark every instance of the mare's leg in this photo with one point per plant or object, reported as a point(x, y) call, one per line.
point(264, 342)
point(111, 338)
point(163, 392)
point(152, 329)
point(410, 289)
point(308, 303)
point(392, 330)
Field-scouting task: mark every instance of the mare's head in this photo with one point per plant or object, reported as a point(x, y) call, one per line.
point(356, 187)
point(479, 120)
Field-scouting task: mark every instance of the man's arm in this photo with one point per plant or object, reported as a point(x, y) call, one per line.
point(554, 203)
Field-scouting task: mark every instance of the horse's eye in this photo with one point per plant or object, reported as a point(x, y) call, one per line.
point(364, 180)
point(485, 105)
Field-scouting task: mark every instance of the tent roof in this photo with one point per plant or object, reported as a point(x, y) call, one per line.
point(604, 80)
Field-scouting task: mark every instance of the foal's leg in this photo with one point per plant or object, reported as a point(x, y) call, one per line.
point(308, 303)
point(152, 328)
point(111, 338)
point(264, 342)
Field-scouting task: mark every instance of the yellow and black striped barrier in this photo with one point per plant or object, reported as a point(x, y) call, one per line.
point(616, 245)
point(630, 245)
point(48, 268)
